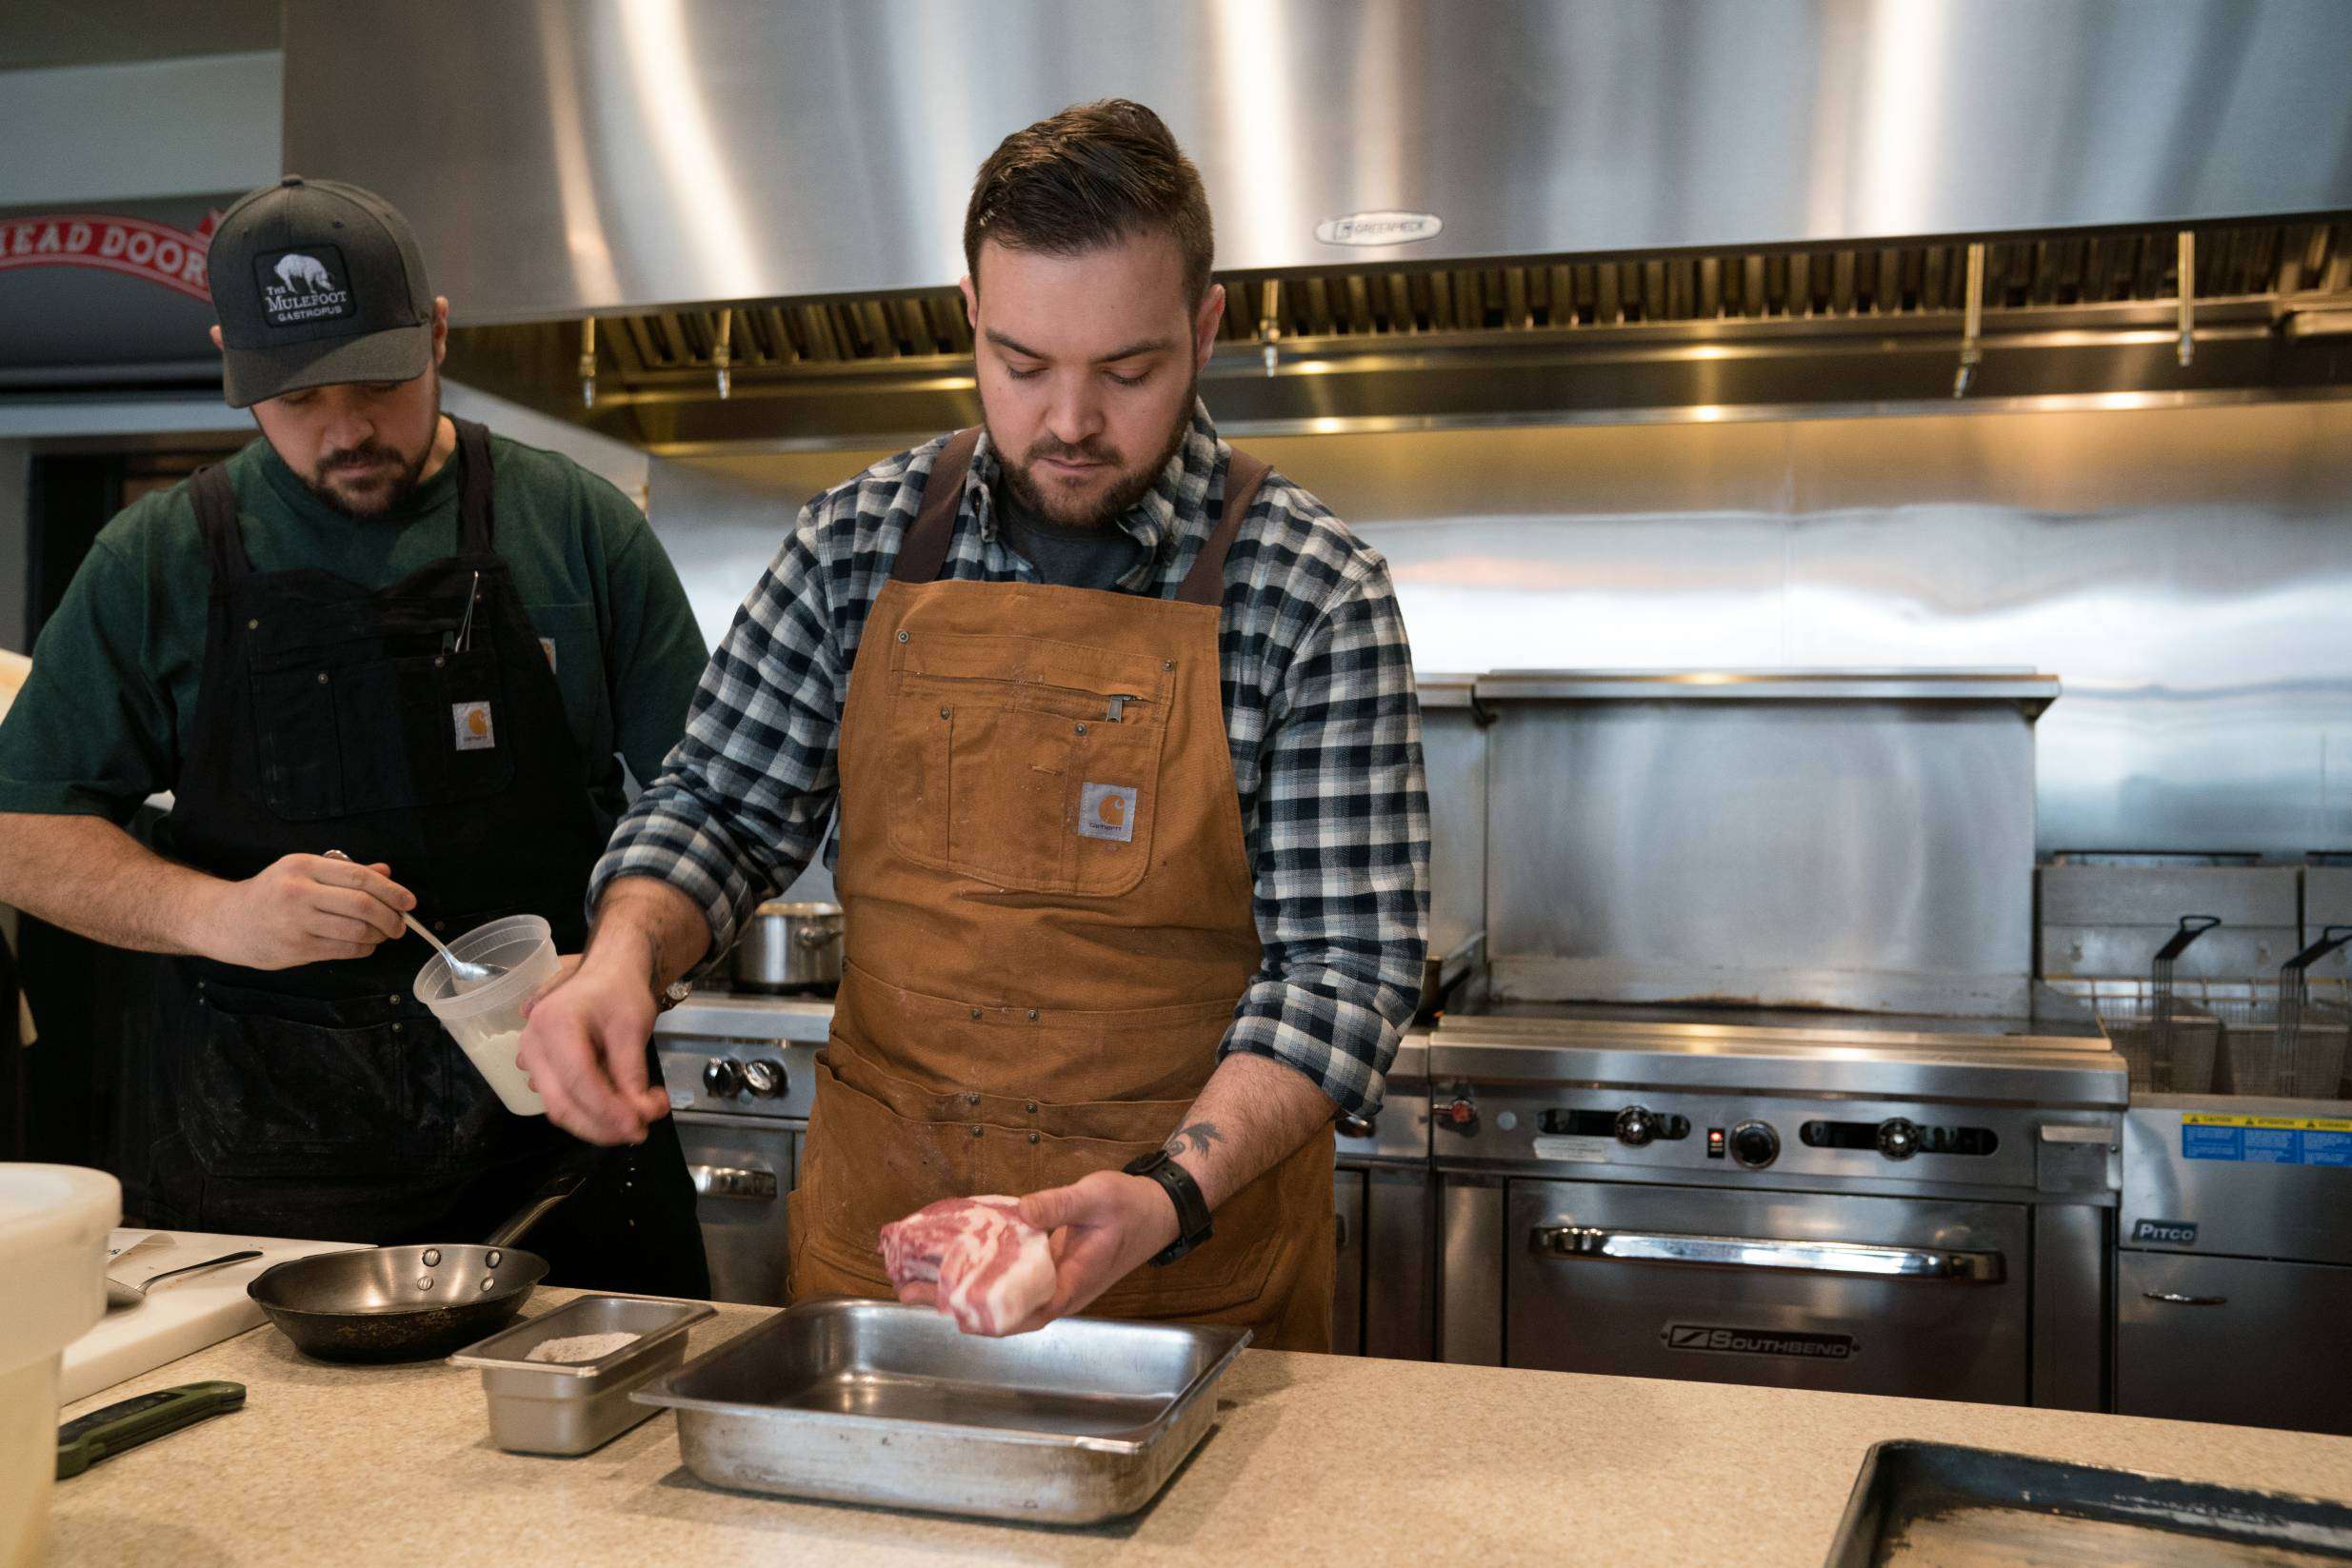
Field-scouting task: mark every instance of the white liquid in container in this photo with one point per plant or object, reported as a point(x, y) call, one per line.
point(493, 1055)
point(486, 1021)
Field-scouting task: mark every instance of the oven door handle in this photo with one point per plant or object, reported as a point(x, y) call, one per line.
point(1841, 1257)
point(731, 1182)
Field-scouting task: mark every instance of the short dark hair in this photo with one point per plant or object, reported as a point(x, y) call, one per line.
point(1092, 175)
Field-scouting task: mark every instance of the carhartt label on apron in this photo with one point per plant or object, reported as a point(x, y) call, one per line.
point(1106, 811)
point(472, 723)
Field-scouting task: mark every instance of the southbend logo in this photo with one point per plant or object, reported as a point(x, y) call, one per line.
point(303, 285)
point(1708, 1339)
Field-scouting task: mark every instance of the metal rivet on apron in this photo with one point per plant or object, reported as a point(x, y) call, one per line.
point(393, 1000)
point(1082, 729)
point(440, 659)
point(253, 625)
point(1032, 1020)
point(975, 1131)
point(1167, 663)
point(902, 634)
point(1032, 1138)
point(1032, 1107)
point(972, 1099)
point(945, 711)
point(975, 1014)
point(396, 1028)
point(322, 677)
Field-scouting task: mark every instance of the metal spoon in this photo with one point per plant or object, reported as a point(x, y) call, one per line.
point(464, 974)
point(121, 1294)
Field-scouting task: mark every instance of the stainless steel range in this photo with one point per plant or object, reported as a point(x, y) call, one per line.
point(741, 1081)
point(1875, 1205)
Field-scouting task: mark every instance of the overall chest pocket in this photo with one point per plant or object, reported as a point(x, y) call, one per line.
point(348, 730)
point(1026, 763)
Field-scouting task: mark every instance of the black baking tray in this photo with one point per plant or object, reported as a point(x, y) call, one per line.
point(1917, 1504)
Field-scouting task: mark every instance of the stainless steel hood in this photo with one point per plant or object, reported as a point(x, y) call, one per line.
point(566, 156)
point(1737, 207)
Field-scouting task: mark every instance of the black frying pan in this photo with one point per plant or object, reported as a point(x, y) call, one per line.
point(408, 1304)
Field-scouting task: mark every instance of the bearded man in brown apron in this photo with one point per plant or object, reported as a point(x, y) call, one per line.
point(1132, 833)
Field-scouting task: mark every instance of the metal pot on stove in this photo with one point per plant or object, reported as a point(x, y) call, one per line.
point(789, 947)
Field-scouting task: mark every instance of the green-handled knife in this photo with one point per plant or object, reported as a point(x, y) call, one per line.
point(102, 1434)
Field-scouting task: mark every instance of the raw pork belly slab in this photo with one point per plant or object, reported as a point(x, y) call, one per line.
point(992, 1267)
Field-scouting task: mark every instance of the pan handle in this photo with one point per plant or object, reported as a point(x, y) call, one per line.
point(551, 1191)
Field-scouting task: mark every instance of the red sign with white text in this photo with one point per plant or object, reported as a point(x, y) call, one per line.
point(134, 247)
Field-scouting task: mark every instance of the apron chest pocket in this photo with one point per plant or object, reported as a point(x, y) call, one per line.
point(386, 734)
point(1025, 763)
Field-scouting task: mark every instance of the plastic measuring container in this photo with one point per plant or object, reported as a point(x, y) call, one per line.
point(53, 1225)
point(487, 1021)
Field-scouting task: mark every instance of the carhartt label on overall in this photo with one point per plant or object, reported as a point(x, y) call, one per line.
point(1106, 811)
point(472, 723)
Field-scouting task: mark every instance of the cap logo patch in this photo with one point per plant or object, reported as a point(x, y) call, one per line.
point(303, 285)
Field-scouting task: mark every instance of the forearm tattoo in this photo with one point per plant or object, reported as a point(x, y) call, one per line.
point(1195, 1138)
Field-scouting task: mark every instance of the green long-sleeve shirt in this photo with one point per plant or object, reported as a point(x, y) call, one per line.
point(108, 713)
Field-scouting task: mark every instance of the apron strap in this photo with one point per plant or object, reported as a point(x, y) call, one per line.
point(476, 488)
point(1205, 582)
point(924, 548)
point(216, 516)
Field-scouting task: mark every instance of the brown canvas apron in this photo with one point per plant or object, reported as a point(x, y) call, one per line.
point(1048, 924)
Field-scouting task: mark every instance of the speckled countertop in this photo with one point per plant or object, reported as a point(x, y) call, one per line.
point(1316, 1460)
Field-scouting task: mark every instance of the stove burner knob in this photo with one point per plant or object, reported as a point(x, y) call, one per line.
point(1897, 1138)
point(1636, 1126)
point(1461, 1116)
point(764, 1079)
point(722, 1077)
point(1755, 1145)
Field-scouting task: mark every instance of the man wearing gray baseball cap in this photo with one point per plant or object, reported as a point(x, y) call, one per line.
point(378, 630)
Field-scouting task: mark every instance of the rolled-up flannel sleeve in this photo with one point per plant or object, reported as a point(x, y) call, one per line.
point(740, 803)
point(1339, 852)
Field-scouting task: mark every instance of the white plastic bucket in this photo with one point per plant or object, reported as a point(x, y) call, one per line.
point(487, 1021)
point(53, 1225)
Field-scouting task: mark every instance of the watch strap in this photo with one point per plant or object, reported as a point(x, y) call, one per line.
point(1193, 1223)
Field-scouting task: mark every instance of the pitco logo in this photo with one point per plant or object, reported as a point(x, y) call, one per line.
point(2176, 1233)
point(157, 252)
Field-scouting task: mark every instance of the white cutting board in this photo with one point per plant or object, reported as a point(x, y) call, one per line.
point(179, 1316)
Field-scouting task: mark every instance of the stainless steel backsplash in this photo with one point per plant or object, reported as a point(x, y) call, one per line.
point(2187, 573)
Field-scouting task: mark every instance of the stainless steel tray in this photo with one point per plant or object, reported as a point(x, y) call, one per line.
point(875, 1402)
point(1919, 1503)
point(573, 1407)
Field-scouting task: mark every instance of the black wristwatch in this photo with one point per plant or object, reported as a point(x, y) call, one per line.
point(1192, 1224)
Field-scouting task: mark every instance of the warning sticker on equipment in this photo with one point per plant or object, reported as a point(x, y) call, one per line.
point(1588, 1151)
point(2267, 1140)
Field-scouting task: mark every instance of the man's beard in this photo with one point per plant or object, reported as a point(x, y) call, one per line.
point(381, 496)
point(1134, 484)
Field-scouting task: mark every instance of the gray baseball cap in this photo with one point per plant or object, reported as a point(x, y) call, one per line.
point(316, 282)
